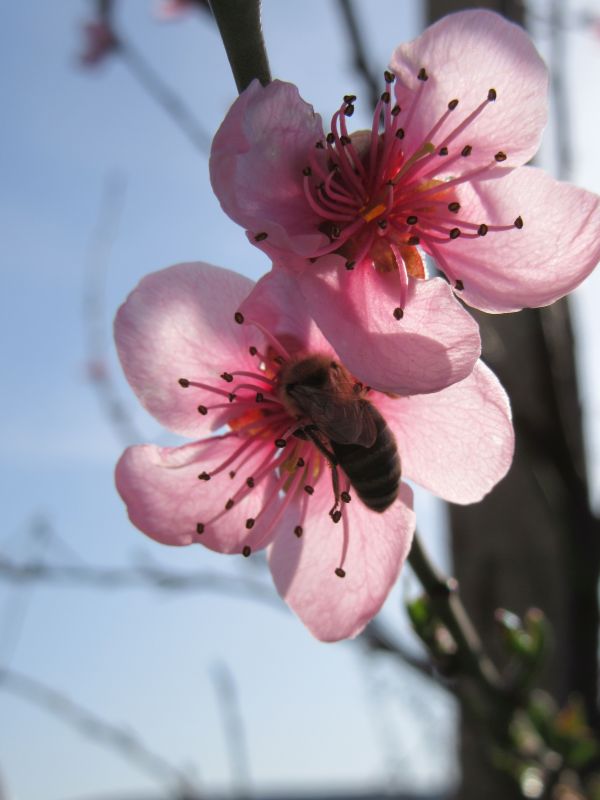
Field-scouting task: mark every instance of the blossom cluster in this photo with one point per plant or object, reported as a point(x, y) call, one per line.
point(311, 396)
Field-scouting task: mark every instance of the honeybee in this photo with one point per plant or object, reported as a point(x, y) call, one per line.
point(323, 391)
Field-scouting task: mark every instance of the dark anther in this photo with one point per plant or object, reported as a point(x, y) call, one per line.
point(279, 360)
point(459, 286)
point(452, 104)
point(389, 76)
point(398, 313)
point(260, 397)
point(280, 442)
point(335, 231)
point(340, 572)
point(396, 110)
point(300, 462)
point(382, 223)
point(252, 350)
point(312, 260)
point(358, 387)
point(336, 515)
point(412, 220)
point(455, 233)
point(184, 382)
point(345, 140)
point(203, 410)
point(454, 207)
point(200, 528)
point(413, 240)
point(518, 223)
point(350, 265)
point(385, 97)
point(298, 531)
point(482, 229)
point(231, 397)
point(349, 110)
point(500, 156)
point(349, 98)
point(204, 476)
point(423, 76)
point(307, 171)
point(250, 483)
point(260, 237)
point(229, 504)
point(492, 95)
point(345, 496)
point(466, 151)
point(227, 377)
point(309, 489)
point(330, 138)
point(249, 523)
point(232, 474)
point(400, 133)
point(443, 151)
point(238, 317)
point(320, 146)
point(246, 551)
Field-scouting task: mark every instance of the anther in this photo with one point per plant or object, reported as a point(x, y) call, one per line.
point(320, 146)
point(260, 237)
point(231, 397)
point(252, 350)
point(492, 95)
point(459, 286)
point(307, 171)
point(443, 151)
point(452, 104)
point(412, 220)
point(500, 156)
point(400, 133)
point(250, 483)
point(260, 397)
point(396, 110)
point(336, 232)
point(309, 489)
point(249, 523)
point(454, 207)
point(340, 572)
point(413, 240)
point(200, 528)
point(238, 317)
point(298, 531)
point(423, 76)
point(350, 265)
point(229, 504)
point(345, 140)
point(385, 97)
point(454, 233)
point(382, 224)
point(280, 442)
point(330, 138)
point(204, 476)
point(232, 474)
point(389, 76)
point(203, 410)
point(398, 313)
point(246, 551)
point(482, 229)
point(466, 151)
point(349, 98)
point(227, 377)
point(312, 260)
point(300, 462)
point(349, 110)
point(336, 515)
point(184, 382)
point(345, 496)
point(518, 223)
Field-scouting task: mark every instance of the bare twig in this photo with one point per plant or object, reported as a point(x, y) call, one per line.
point(240, 29)
point(361, 62)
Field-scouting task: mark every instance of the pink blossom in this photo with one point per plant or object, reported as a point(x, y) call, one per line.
point(440, 172)
point(174, 9)
point(200, 356)
point(100, 40)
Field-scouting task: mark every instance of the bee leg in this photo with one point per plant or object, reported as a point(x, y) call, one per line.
point(334, 511)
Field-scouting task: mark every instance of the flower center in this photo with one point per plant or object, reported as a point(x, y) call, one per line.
point(378, 201)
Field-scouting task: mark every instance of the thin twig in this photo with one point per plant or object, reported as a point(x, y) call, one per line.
point(240, 29)
point(361, 62)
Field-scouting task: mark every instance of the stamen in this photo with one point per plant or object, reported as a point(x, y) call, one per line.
point(239, 317)
point(260, 237)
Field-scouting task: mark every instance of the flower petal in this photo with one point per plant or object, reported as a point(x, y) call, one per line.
point(558, 246)
point(303, 569)
point(256, 164)
point(166, 500)
point(178, 323)
point(457, 443)
point(465, 55)
point(435, 344)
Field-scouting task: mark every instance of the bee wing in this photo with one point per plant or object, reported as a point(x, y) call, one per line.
point(342, 419)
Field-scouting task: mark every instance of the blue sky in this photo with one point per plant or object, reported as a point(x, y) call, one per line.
point(141, 659)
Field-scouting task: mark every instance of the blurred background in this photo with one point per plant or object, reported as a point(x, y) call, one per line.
point(131, 670)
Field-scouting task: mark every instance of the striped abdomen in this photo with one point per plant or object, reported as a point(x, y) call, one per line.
point(374, 471)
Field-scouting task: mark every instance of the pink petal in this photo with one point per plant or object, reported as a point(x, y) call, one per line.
point(435, 344)
point(256, 164)
point(303, 569)
point(166, 500)
point(558, 246)
point(276, 306)
point(465, 55)
point(457, 443)
point(178, 323)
